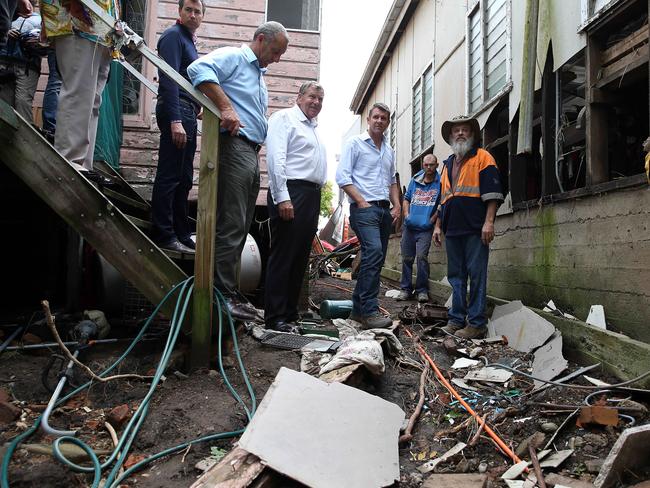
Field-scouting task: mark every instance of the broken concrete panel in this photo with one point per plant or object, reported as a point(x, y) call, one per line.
point(559, 480)
point(340, 435)
point(455, 481)
point(629, 453)
point(524, 329)
point(596, 317)
point(462, 363)
point(431, 465)
point(549, 361)
point(515, 471)
point(555, 459)
point(492, 375)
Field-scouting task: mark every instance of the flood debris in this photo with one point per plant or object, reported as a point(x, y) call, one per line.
point(361, 430)
point(596, 317)
point(524, 329)
point(629, 454)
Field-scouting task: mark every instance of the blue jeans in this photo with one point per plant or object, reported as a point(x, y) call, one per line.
point(372, 227)
point(51, 95)
point(467, 258)
point(415, 244)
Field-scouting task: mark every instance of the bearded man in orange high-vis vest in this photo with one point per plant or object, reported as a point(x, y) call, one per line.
point(470, 193)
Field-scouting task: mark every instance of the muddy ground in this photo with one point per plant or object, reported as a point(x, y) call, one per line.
point(187, 406)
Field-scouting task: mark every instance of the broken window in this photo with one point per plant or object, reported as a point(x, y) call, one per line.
point(496, 140)
point(488, 51)
point(571, 121)
point(617, 77)
point(134, 13)
point(295, 14)
point(592, 8)
point(422, 127)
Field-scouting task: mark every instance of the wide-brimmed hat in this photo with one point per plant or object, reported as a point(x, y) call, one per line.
point(460, 119)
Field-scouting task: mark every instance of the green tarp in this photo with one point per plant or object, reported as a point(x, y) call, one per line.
point(109, 129)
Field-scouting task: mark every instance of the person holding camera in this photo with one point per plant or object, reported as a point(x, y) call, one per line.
point(20, 63)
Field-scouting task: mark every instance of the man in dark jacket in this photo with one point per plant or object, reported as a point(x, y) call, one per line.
point(176, 115)
point(420, 213)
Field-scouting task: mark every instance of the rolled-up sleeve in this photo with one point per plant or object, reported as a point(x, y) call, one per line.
point(277, 141)
point(211, 68)
point(344, 169)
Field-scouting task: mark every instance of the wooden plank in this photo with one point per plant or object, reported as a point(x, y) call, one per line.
point(215, 15)
point(625, 46)
point(114, 195)
point(205, 230)
point(88, 211)
point(625, 68)
point(549, 93)
point(237, 469)
point(597, 144)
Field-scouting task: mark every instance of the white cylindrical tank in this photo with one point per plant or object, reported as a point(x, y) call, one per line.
point(251, 266)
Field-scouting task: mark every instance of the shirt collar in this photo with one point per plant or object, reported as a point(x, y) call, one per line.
point(250, 57)
point(366, 137)
point(302, 117)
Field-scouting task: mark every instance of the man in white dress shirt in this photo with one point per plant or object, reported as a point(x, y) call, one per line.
point(297, 167)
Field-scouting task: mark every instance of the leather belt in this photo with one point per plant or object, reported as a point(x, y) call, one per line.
point(380, 203)
point(256, 147)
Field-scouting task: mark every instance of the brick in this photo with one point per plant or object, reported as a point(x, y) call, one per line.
point(8, 413)
point(119, 415)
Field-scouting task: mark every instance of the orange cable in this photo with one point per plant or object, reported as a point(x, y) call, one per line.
point(451, 389)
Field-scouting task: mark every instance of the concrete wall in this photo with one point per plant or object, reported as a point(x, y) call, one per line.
point(578, 253)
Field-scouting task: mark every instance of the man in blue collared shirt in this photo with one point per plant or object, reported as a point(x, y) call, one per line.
point(233, 79)
point(367, 175)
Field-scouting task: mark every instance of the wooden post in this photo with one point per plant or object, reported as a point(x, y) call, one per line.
point(528, 68)
point(597, 144)
point(549, 124)
point(206, 218)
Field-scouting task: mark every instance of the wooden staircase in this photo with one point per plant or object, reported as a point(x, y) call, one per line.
point(111, 219)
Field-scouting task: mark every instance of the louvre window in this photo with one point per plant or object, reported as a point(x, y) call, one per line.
point(488, 59)
point(295, 14)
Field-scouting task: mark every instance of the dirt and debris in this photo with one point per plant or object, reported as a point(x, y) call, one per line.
point(190, 405)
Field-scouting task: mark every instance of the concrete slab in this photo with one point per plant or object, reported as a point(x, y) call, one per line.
point(492, 375)
point(455, 481)
point(596, 317)
point(515, 471)
point(548, 361)
point(325, 435)
point(629, 453)
point(524, 329)
point(555, 459)
point(559, 480)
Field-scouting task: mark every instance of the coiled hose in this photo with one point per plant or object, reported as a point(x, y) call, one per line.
point(133, 426)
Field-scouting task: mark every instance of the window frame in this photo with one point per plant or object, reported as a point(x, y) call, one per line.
point(143, 118)
point(417, 151)
point(588, 16)
point(486, 102)
point(289, 29)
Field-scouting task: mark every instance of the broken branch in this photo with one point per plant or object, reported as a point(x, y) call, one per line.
point(408, 433)
point(50, 322)
point(476, 437)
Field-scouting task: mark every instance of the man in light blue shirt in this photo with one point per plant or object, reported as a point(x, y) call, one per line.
point(233, 79)
point(366, 174)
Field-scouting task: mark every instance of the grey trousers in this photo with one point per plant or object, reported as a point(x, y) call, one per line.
point(20, 92)
point(84, 67)
point(237, 189)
